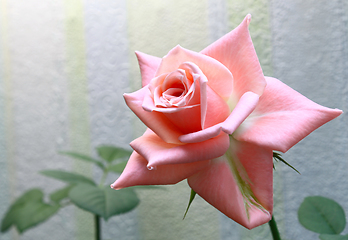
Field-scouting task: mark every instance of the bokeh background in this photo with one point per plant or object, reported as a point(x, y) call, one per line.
point(64, 66)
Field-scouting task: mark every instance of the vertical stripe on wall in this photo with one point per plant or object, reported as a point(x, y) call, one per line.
point(155, 27)
point(7, 164)
point(79, 129)
point(310, 55)
point(260, 28)
point(218, 19)
point(35, 113)
point(39, 94)
point(108, 78)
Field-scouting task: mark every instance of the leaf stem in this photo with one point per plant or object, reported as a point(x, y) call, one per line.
point(274, 229)
point(97, 227)
point(103, 178)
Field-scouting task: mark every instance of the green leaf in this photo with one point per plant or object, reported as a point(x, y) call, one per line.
point(9, 218)
point(84, 158)
point(28, 211)
point(60, 194)
point(68, 177)
point(104, 201)
point(322, 215)
point(333, 237)
point(34, 213)
point(117, 168)
point(111, 153)
point(192, 196)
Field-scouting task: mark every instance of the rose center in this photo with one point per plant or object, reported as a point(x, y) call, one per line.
point(173, 92)
point(174, 89)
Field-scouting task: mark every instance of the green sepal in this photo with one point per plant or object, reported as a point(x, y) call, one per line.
point(322, 215)
point(192, 197)
point(103, 201)
point(84, 157)
point(278, 157)
point(68, 177)
point(111, 153)
point(28, 211)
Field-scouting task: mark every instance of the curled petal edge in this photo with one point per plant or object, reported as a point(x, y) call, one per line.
point(136, 173)
point(157, 152)
point(245, 106)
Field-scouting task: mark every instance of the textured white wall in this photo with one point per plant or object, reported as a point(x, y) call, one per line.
point(310, 54)
point(303, 43)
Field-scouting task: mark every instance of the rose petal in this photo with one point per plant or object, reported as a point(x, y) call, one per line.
point(202, 135)
point(162, 85)
point(258, 163)
point(200, 81)
point(136, 173)
point(187, 120)
point(219, 77)
point(217, 109)
point(217, 185)
point(156, 121)
point(192, 119)
point(235, 50)
point(245, 106)
point(283, 117)
point(148, 66)
point(149, 104)
point(157, 152)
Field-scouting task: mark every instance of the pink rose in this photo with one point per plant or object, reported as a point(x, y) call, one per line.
point(214, 119)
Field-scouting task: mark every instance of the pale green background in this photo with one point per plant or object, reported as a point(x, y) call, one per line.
point(64, 66)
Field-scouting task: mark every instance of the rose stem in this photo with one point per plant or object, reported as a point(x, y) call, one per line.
point(274, 229)
point(97, 227)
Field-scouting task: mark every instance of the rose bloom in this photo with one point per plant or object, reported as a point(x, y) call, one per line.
point(214, 119)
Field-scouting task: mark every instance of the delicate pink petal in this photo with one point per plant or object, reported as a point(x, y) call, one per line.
point(202, 135)
point(157, 152)
point(258, 163)
point(236, 51)
point(245, 106)
point(219, 187)
point(217, 109)
point(187, 120)
point(219, 77)
point(192, 119)
point(136, 173)
point(156, 121)
point(200, 81)
point(149, 105)
point(283, 117)
point(148, 66)
point(192, 82)
point(171, 90)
